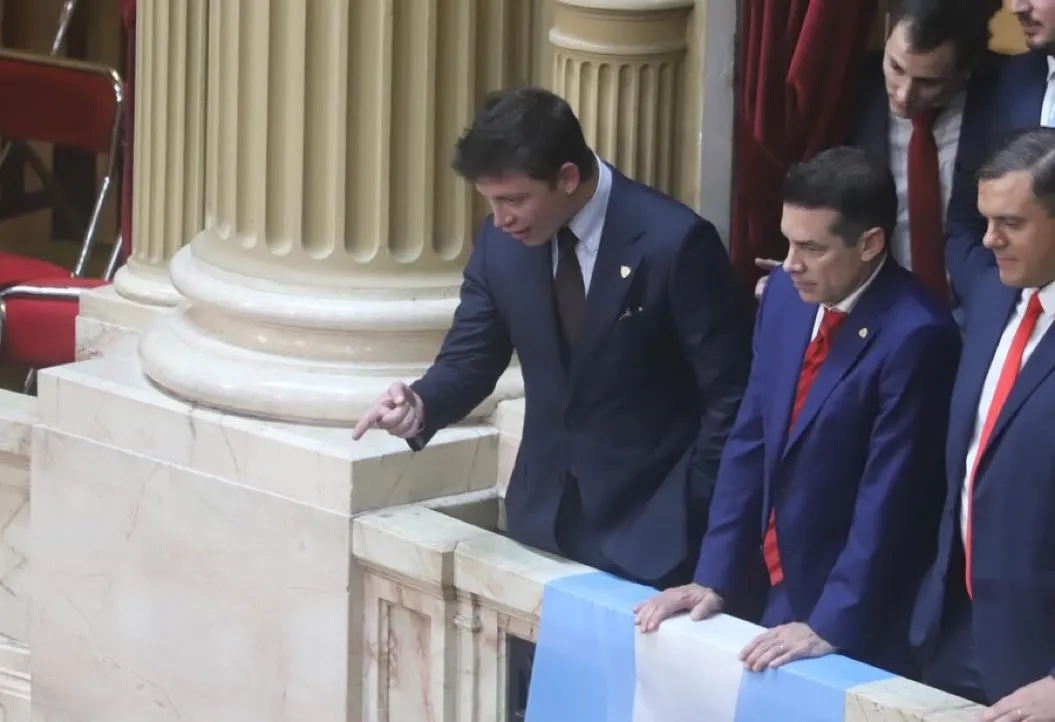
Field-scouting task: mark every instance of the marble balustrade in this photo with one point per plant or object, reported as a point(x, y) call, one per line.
point(442, 595)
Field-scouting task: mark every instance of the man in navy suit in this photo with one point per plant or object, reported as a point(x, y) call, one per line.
point(833, 473)
point(986, 613)
point(634, 342)
point(1022, 95)
point(916, 112)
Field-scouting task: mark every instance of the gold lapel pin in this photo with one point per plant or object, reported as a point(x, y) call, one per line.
point(624, 271)
point(863, 333)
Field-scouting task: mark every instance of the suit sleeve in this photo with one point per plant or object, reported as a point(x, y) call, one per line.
point(475, 352)
point(713, 324)
point(900, 494)
point(966, 259)
point(733, 535)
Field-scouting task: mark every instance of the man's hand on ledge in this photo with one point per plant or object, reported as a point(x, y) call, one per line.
point(399, 411)
point(783, 644)
point(700, 602)
point(1033, 703)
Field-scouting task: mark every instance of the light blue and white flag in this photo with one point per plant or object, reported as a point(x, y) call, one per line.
point(592, 665)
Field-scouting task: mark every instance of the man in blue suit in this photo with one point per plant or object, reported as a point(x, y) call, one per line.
point(632, 337)
point(833, 472)
point(986, 613)
point(916, 112)
point(1022, 95)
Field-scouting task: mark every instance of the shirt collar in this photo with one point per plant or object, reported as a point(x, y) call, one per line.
point(588, 223)
point(1051, 68)
point(1047, 298)
point(847, 304)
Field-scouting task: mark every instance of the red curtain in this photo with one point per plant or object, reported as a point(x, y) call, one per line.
point(798, 65)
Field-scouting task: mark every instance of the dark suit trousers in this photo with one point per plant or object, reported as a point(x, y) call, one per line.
point(579, 541)
point(952, 666)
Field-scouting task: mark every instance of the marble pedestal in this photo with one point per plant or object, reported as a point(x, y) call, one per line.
point(192, 565)
point(106, 319)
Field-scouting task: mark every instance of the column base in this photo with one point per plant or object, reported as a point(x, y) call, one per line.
point(301, 354)
point(193, 565)
point(148, 285)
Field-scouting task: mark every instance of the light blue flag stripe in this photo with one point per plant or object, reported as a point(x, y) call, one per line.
point(584, 657)
point(591, 665)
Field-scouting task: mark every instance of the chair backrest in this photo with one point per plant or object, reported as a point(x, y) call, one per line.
point(65, 102)
point(61, 101)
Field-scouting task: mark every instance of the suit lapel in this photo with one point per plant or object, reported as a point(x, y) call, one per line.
point(1037, 368)
point(854, 336)
point(795, 337)
point(614, 272)
point(990, 320)
point(1031, 90)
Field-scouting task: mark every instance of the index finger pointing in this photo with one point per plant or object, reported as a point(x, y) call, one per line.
point(369, 421)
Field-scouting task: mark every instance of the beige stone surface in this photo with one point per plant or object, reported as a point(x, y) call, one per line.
point(902, 700)
point(17, 416)
point(168, 179)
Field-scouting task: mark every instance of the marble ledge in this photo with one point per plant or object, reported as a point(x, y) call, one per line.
point(106, 305)
point(902, 700)
point(422, 545)
point(109, 401)
point(18, 413)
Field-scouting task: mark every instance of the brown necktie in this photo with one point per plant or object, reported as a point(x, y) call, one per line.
point(568, 286)
point(925, 223)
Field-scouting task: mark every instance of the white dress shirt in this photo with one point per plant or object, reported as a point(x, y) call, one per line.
point(1047, 109)
point(1047, 301)
point(588, 225)
point(947, 136)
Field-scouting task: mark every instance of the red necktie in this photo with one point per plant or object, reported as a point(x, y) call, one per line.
point(926, 228)
point(816, 352)
point(1004, 384)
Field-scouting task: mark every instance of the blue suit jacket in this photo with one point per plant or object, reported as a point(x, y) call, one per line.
point(1010, 100)
point(1013, 524)
point(641, 413)
point(858, 483)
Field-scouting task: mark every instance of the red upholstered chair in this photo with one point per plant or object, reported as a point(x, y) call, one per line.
point(74, 104)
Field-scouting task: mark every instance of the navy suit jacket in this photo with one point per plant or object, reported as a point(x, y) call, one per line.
point(643, 409)
point(1013, 520)
point(1012, 100)
point(870, 129)
point(857, 484)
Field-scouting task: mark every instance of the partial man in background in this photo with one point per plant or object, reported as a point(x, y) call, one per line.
point(833, 474)
point(918, 111)
point(1021, 96)
point(986, 613)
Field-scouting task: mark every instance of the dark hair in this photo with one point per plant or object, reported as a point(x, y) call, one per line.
point(852, 183)
point(932, 23)
point(1030, 149)
point(527, 131)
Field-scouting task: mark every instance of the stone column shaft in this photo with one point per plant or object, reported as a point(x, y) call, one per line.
point(169, 144)
point(620, 65)
point(335, 232)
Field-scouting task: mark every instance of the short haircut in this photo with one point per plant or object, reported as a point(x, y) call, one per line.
point(852, 183)
point(525, 131)
point(1032, 150)
point(932, 23)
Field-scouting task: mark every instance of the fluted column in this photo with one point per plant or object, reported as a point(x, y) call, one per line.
point(168, 177)
point(335, 233)
point(620, 64)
